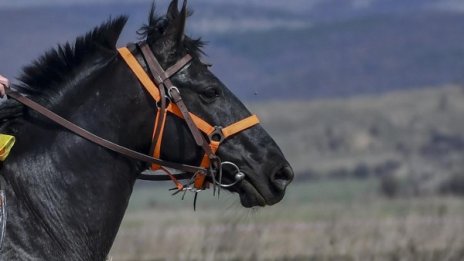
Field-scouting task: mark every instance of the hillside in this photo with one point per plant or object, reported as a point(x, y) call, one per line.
point(415, 135)
point(262, 49)
point(365, 55)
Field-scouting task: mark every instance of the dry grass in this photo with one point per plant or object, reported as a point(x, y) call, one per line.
point(359, 228)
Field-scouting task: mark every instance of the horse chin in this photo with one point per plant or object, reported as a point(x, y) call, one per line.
point(250, 196)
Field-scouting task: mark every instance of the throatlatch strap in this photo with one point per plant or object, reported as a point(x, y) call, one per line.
point(140, 73)
point(153, 90)
point(157, 149)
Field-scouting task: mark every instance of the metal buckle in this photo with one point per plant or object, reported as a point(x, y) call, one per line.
point(171, 89)
point(216, 135)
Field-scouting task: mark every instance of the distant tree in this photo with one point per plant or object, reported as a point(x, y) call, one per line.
point(362, 171)
point(389, 186)
point(454, 185)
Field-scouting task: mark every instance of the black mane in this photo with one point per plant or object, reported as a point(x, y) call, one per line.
point(157, 26)
point(49, 73)
point(54, 70)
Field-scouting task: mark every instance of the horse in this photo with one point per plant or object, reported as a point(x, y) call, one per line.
point(66, 196)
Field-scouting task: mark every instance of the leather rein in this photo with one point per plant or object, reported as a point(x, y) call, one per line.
point(168, 99)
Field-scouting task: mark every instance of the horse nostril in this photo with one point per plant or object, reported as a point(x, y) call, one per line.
point(282, 177)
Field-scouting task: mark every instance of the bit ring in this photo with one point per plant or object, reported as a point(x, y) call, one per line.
point(239, 176)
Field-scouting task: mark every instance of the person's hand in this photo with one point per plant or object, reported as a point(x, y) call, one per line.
point(4, 83)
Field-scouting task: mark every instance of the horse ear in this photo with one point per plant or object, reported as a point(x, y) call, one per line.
point(176, 29)
point(183, 20)
point(173, 12)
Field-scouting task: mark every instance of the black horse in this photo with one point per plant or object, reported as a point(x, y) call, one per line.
point(67, 196)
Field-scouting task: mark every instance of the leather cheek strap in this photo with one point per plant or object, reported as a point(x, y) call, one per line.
point(137, 69)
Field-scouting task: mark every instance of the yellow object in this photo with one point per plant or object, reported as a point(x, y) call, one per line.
point(6, 143)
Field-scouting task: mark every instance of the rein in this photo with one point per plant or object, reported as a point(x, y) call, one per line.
point(96, 139)
point(168, 99)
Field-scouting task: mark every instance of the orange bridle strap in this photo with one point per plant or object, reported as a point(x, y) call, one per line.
point(202, 125)
point(143, 77)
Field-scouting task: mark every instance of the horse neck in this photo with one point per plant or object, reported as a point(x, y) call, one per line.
point(67, 196)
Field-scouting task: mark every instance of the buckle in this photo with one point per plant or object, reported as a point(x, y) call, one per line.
point(173, 88)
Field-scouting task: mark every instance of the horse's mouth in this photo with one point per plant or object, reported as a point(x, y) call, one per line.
point(249, 195)
point(254, 191)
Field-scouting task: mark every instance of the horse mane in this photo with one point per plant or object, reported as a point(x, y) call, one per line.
point(157, 26)
point(56, 69)
point(47, 74)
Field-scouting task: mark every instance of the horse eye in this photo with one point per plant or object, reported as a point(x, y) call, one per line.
point(210, 94)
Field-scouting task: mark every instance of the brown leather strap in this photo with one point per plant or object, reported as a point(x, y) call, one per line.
point(178, 65)
point(96, 139)
point(148, 56)
point(199, 138)
point(163, 81)
point(160, 75)
point(153, 66)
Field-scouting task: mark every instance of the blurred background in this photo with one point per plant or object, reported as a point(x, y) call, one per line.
point(365, 98)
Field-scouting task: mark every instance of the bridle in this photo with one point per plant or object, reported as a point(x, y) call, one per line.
point(167, 99)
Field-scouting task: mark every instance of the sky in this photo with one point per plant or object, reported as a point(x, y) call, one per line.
point(29, 3)
point(290, 5)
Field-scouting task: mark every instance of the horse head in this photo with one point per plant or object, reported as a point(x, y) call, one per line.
point(251, 151)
